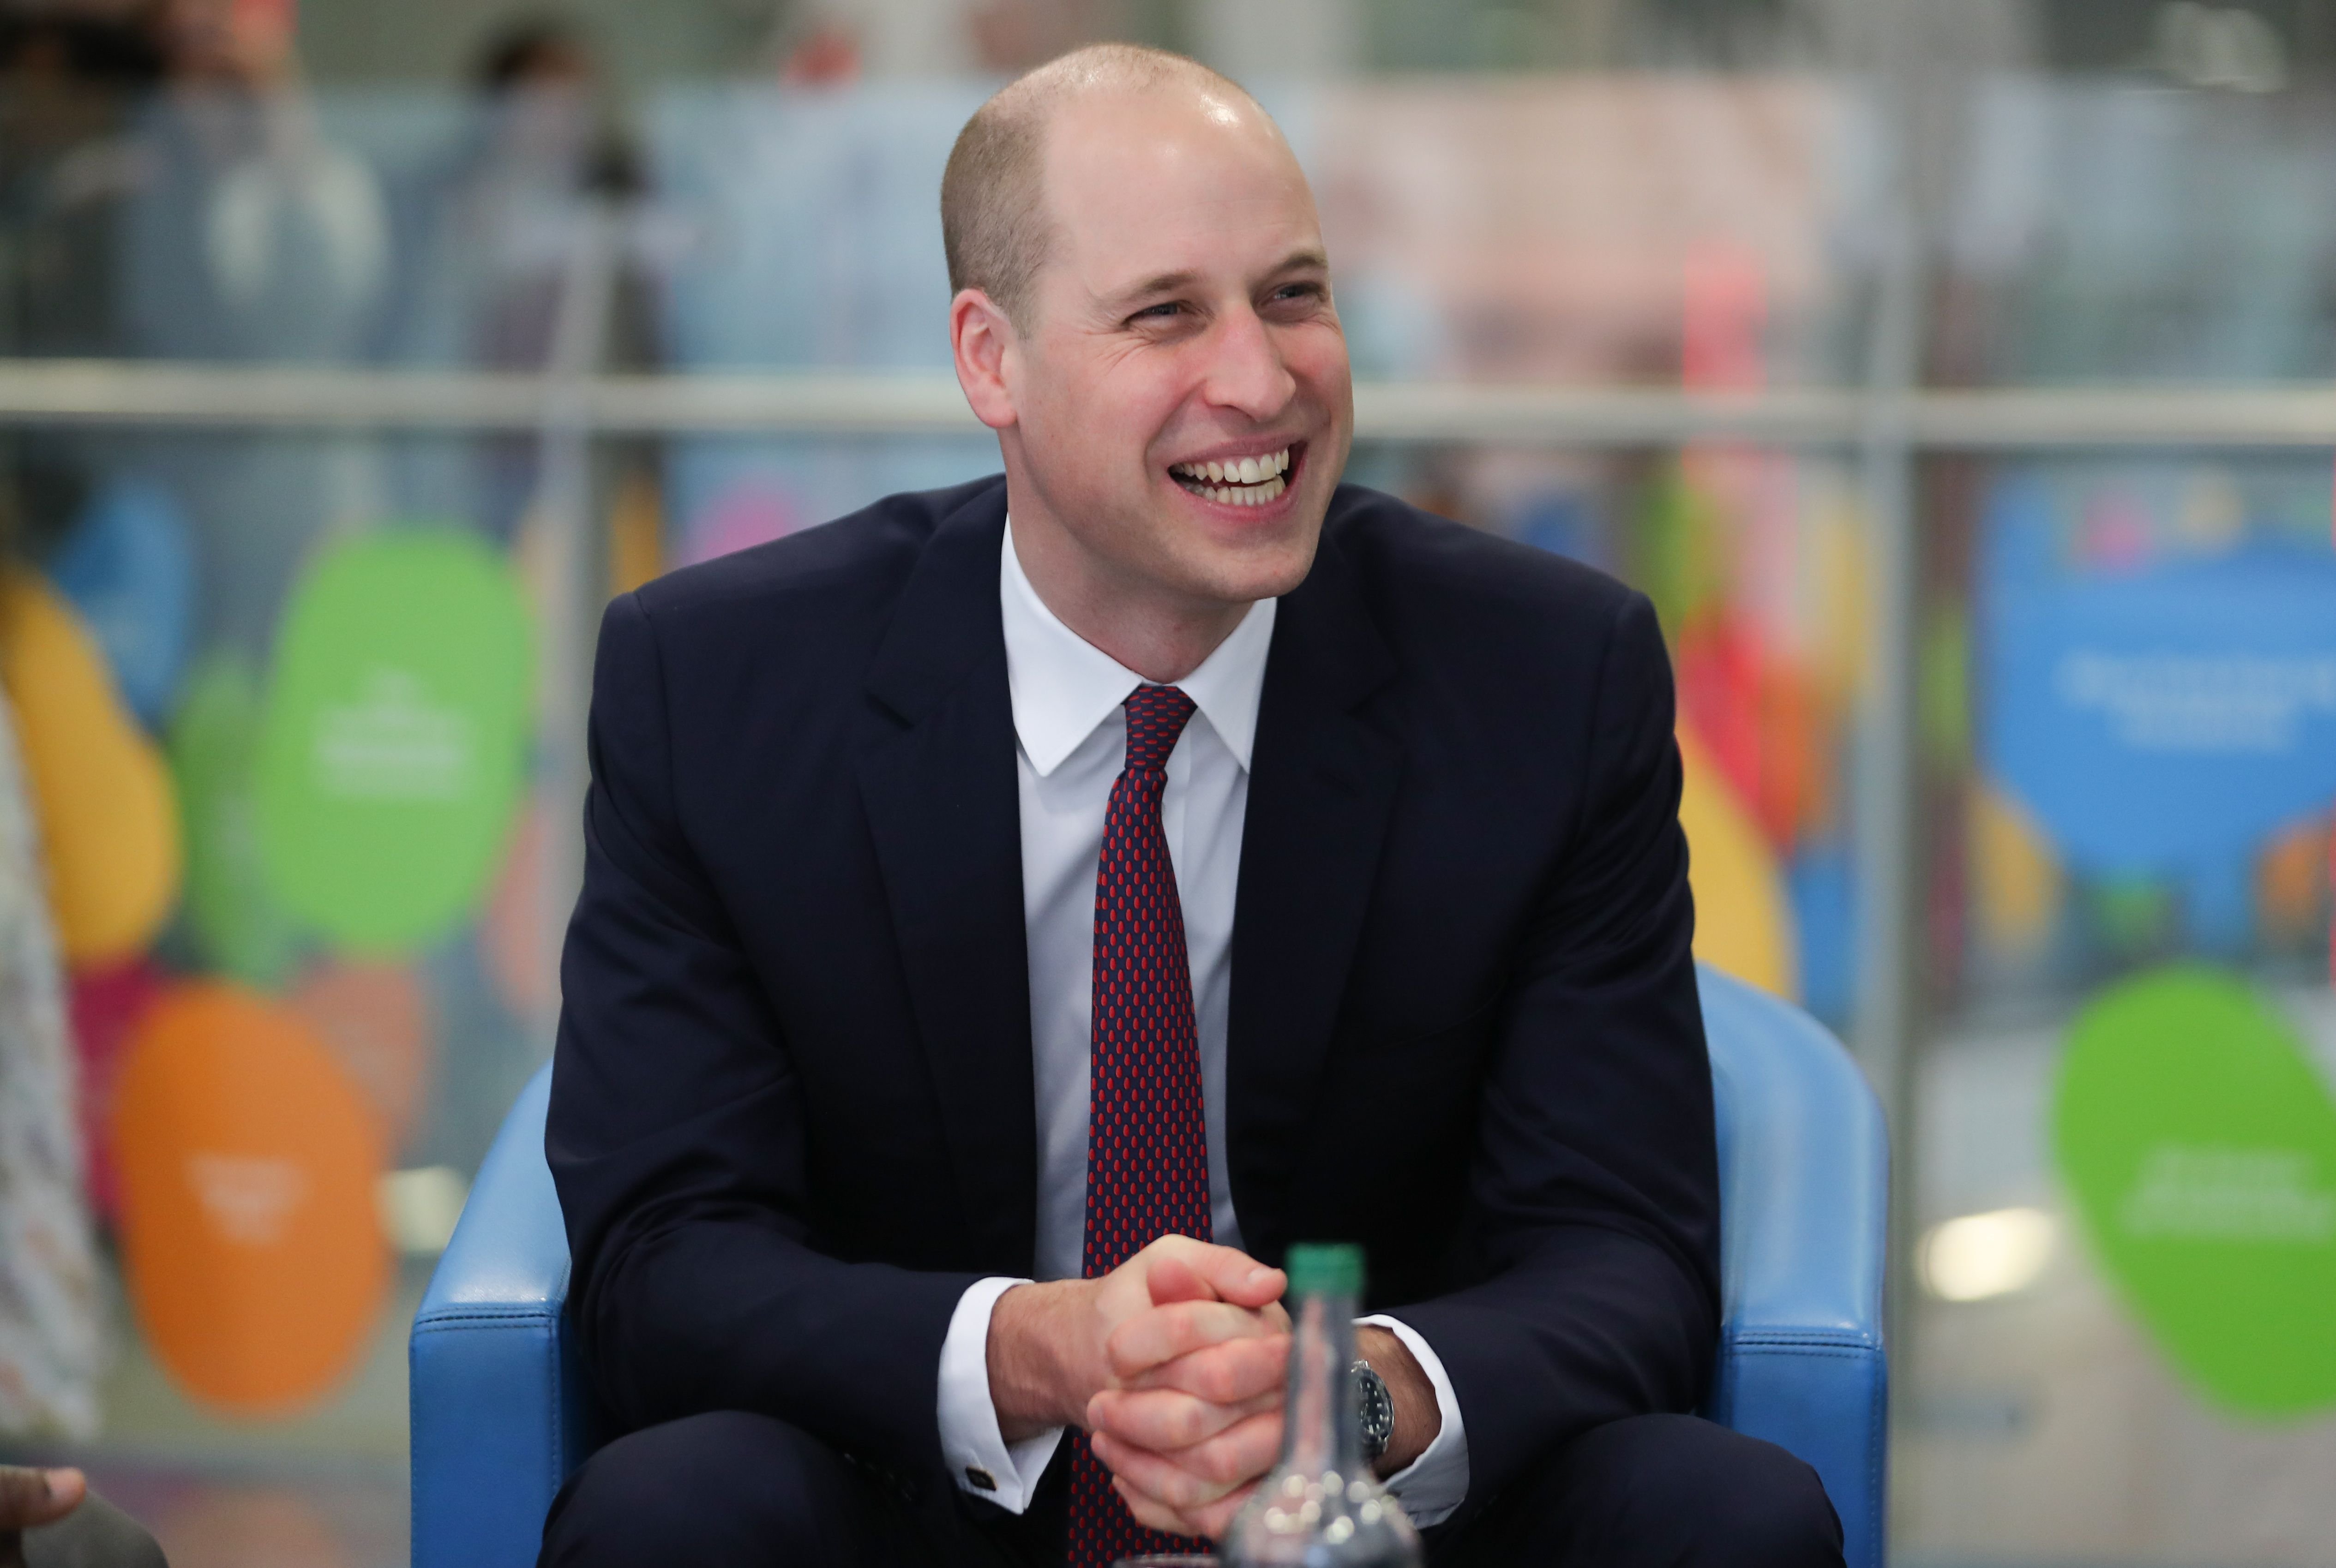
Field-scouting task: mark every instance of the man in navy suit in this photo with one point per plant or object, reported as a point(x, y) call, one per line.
point(1013, 914)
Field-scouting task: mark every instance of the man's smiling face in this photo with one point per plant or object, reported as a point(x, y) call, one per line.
point(1183, 405)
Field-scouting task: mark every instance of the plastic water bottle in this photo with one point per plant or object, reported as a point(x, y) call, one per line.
point(1321, 1507)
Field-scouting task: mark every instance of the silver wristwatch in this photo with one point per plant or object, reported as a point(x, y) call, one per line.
point(1374, 1409)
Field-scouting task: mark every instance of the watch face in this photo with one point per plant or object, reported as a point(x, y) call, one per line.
point(1375, 1409)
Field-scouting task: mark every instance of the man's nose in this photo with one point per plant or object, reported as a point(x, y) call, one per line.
point(1246, 373)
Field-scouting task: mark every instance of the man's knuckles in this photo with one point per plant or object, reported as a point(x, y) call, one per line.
point(1163, 1333)
point(1161, 1420)
point(1229, 1373)
point(1191, 1477)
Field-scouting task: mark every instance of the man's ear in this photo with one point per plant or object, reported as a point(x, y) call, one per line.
point(982, 338)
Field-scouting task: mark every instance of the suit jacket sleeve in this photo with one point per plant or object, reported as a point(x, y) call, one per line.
point(677, 1137)
point(1593, 1191)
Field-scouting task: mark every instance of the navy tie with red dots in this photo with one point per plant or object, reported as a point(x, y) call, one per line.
point(1147, 1138)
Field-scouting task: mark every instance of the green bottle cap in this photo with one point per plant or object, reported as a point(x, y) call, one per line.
point(1325, 1268)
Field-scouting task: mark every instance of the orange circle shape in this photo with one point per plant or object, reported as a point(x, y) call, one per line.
point(249, 1162)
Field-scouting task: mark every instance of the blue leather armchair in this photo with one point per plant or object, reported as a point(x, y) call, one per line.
point(501, 1413)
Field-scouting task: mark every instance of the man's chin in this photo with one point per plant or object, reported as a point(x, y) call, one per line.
point(1247, 562)
point(1253, 572)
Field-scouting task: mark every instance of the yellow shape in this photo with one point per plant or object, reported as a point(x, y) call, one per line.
point(109, 823)
point(2016, 881)
point(1743, 918)
point(636, 534)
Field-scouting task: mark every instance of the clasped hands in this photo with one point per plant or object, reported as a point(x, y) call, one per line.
point(1174, 1363)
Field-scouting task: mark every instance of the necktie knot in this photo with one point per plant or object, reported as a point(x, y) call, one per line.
point(1156, 716)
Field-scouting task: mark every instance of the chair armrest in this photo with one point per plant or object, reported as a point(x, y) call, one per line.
point(500, 1410)
point(1805, 1184)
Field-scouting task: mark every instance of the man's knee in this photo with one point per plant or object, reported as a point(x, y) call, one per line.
point(1671, 1490)
point(722, 1488)
point(1710, 1496)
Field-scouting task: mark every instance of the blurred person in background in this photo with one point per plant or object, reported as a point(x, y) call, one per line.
point(70, 78)
point(1012, 912)
point(253, 237)
point(836, 41)
point(491, 241)
point(51, 1308)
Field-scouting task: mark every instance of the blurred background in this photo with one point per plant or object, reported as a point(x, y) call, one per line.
point(1954, 374)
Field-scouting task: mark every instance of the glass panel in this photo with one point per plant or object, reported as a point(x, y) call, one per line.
point(278, 699)
point(1753, 559)
point(2131, 699)
point(2129, 711)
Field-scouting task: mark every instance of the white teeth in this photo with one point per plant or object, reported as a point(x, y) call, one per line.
point(1255, 495)
point(1243, 483)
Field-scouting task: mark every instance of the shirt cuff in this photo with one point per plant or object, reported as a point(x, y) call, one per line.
point(983, 1462)
point(1434, 1485)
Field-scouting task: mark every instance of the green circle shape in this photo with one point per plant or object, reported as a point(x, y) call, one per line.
point(393, 745)
point(2200, 1146)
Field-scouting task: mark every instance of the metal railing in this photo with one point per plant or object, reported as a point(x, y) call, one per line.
point(818, 402)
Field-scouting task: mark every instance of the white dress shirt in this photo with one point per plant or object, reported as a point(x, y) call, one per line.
point(1073, 744)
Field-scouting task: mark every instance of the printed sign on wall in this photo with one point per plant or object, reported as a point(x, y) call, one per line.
point(2166, 719)
point(394, 741)
point(2200, 1146)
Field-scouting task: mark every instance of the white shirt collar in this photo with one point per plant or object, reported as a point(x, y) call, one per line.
point(1063, 685)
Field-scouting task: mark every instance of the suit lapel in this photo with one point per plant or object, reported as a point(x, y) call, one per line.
point(936, 779)
point(1322, 783)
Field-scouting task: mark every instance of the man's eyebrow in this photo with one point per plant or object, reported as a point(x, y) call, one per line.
point(1307, 260)
point(1165, 283)
point(1302, 261)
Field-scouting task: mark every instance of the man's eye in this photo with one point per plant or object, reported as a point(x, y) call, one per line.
point(1158, 311)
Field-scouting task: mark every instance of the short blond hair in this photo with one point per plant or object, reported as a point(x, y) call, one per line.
point(995, 228)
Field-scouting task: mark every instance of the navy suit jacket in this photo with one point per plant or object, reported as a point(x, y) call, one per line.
point(792, 1117)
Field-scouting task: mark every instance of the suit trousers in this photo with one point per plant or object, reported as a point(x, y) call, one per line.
point(733, 1490)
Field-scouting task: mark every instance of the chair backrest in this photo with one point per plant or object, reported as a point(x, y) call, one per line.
point(1805, 1203)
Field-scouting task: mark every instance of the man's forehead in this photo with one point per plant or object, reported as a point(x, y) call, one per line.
point(1161, 183)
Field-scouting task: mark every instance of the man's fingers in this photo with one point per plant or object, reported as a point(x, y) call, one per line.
point(1226, 1374)
point(1229, 1273)
point(1171, 1279)
point(1164, 1420)
point(1217, 1518)
point(1153, 1515)
point(31, 1497)
point(1157, 1476)
point(1213, 1521)
point(1148, 1339)
point(1196, 1477)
